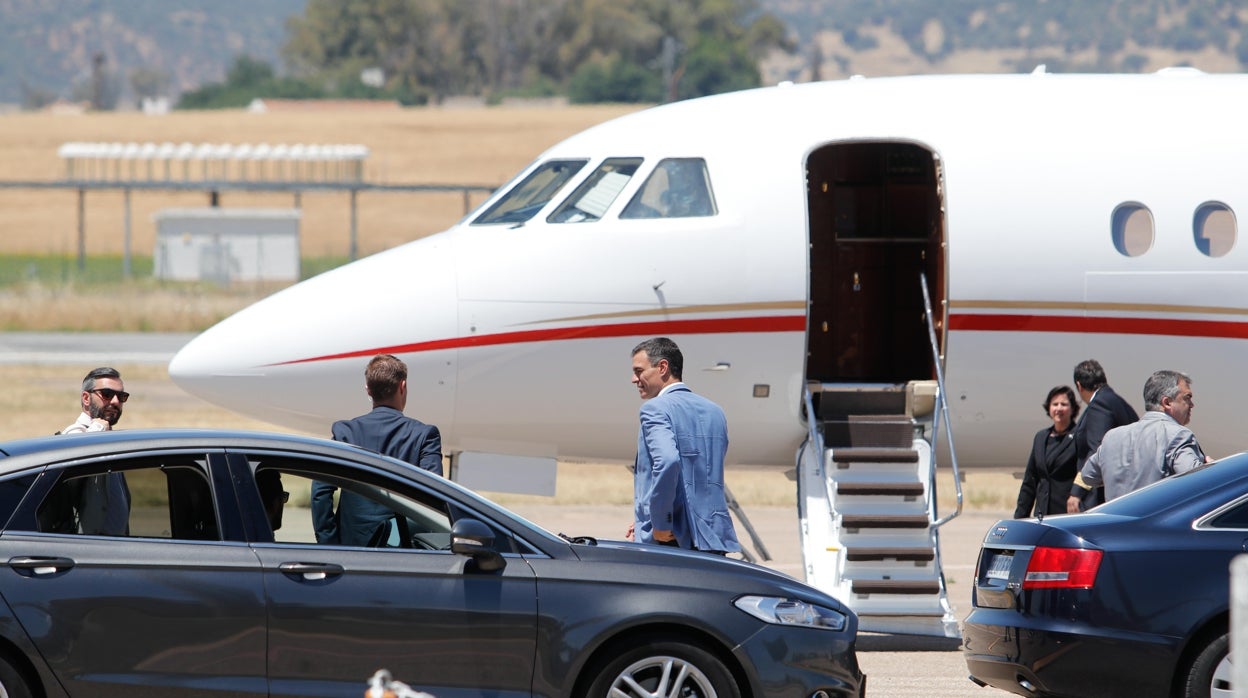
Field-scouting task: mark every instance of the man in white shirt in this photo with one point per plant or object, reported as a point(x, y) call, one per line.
point(102, 502)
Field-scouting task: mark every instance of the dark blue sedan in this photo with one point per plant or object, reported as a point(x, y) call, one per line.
point(216, 586)
point(1128, 599)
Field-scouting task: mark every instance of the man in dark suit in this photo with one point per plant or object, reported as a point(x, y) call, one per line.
point(358, 520)
point(1105, 410)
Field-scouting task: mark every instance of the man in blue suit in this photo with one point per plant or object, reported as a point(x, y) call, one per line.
point(358, 520)
point(678, 482)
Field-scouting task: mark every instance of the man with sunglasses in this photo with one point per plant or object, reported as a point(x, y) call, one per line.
point(102, 502)
point(103, 395)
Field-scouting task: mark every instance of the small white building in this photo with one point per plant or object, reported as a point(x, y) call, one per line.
point(223, 245)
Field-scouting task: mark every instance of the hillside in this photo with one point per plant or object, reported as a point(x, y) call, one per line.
point(896, 37)
point(49, 48)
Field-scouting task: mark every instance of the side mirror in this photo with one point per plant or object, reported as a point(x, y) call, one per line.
point(476, 540)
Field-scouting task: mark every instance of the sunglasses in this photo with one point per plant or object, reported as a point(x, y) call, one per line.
point(107, 394)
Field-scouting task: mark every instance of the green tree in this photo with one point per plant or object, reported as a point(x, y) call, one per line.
point(615, 80)
point(246, 79)
point(429, 49)
point(712, 68)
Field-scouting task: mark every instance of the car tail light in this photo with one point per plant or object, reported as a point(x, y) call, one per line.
point(1062, 568)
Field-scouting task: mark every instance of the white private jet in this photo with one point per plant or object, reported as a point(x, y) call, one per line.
point(780, 236)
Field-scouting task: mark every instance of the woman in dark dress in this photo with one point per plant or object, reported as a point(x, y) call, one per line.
point(1051, 466)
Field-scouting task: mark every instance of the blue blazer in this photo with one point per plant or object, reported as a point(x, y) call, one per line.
point(389, 432)
point(679, 475)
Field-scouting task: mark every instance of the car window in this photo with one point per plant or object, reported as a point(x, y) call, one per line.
point(383, 511)
point(678, 188)
point(372, 516)
point(1234, 517)
point(531, 194)
point(596, 194)
point(166, 497)
point(12, 489)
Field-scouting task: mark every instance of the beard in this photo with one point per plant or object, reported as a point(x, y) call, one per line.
point(107, 412)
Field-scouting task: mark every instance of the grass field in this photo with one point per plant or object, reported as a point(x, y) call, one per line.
point(471, 146)
point(42, 288)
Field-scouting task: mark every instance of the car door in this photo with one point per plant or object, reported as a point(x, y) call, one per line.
point(339, 613)
point(165, 607)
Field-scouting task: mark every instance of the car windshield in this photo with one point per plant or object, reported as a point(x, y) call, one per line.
point(1204, 481)
point(524, 200)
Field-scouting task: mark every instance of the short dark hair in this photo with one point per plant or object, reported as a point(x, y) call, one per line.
point(1070, 395)
point(661, 348)
point(383, 375)
point(1089, 375)
point(88, 383)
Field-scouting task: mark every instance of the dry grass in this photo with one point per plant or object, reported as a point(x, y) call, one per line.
point(481, 146)
point(136, 307)
point(44, 399)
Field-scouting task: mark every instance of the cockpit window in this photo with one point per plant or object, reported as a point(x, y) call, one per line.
point(525, 199)
point(678, 188)
point(597, 192)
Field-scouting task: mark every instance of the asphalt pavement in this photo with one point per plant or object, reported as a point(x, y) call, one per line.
point(90, 348)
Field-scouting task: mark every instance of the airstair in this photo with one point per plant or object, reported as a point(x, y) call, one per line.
point(866, 479)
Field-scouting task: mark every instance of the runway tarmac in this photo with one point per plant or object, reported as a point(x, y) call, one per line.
point(90, 348)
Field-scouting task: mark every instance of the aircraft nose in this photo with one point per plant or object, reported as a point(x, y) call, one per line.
point(296, 359)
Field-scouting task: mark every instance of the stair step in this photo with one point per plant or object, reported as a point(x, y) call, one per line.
point(899, 554)
point(884, 521)
point(838, 401)
point(895, 586)
point(874, 455)
point(870, 430)
point(903, 489)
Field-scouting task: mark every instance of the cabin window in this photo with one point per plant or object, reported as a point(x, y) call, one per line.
point(1214, 228)
point(596, 194)
point(525, 199)
point(678, 188)
point(1133, 229)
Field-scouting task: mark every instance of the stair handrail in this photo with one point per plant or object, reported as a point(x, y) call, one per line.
point(815, 437)
point(942, 410)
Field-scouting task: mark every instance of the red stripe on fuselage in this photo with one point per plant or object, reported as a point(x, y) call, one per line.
point(957, 322)
point(796, 323)
point(1100, 325)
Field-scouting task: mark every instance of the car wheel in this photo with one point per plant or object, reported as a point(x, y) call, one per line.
point(12, 685)
point(664, 670)
point(1210, 673)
